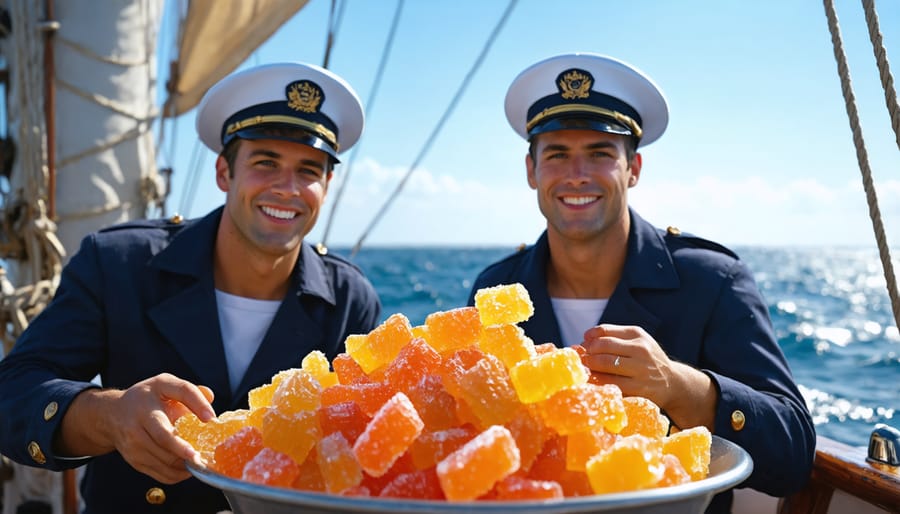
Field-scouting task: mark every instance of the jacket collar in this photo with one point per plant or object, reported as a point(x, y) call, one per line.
point(187, 316)
point(648, 265)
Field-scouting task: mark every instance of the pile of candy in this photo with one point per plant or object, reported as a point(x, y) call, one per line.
point(461, 408)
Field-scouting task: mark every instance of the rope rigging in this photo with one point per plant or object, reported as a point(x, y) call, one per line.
point(345, 170)
point(861, 153)
point(437, 129)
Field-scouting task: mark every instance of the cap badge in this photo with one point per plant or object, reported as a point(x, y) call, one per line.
point(304, 96)
point(575, 84)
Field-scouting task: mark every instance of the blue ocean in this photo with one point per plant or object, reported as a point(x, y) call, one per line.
point(829, 306)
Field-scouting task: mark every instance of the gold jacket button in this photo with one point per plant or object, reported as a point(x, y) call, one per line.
point(50, 411)
point(738, 420)
point(177, 219)
point(674, 231)
point(155, 496)
point(37, 455)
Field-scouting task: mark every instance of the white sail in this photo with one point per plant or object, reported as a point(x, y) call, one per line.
point(99, 147)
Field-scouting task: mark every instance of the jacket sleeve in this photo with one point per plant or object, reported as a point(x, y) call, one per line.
point(759, 406)
point(53, 361)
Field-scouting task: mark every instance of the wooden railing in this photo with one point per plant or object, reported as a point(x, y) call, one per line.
point(845, 468)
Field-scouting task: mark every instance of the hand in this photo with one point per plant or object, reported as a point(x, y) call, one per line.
point(138, 423)
point(630, 358)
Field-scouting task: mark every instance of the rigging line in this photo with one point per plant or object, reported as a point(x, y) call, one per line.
point(334, 23)
point(863, 159)
point(190, 180)
point(379, 74)
point(437, 129)
point(884, 67)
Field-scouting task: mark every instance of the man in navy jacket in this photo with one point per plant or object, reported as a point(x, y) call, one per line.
point(664, 315)
point(178, 316)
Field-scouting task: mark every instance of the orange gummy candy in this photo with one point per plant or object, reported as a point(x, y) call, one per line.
point(630, 464)
point(431, 447)
point(550, 465)
point(316, 364)
point(421, 484)
point(370, 396)
point(299, 391)
point(503, 304)
point(454, 329)
point(348, 371)
point(674, 472)
point(390, 433)
point(291, 434)
point(435, 405)
point(381, 345)
point(691, 446)
point(486, 389)
point(581, 446)
point(310, 477)
point(473, 469)
point(644, 418)
point(557, 370)
point(337, 463)
point(344, 417)
point(232, 454)
point(414, 361)
point(584, 407)
point(516, 487)
point(508, 343)
point(530, 433)
point(270, 467)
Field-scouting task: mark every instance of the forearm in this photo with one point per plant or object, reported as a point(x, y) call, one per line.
point(693, 400)
point(86, 428)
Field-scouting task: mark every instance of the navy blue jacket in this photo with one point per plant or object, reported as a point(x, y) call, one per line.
point(701, 304)
point(138, 300)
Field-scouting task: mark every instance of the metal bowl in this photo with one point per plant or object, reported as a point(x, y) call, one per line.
point(729, 466)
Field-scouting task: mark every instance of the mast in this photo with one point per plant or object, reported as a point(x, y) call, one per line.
point(82, 102)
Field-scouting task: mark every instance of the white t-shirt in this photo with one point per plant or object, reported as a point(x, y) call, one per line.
point(575, 316)
point(243, 323)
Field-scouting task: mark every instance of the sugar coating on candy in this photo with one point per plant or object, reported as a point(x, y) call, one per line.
point(270, 467)
point(452, 409)
point(486, 389)
point(473, 469)
point(316, 364)
point(509, 303)
point(337, 463)
point(630, 464)
point(381, 345)
point(557, 370)
point(584, 407)
point(298, 391)
point(644, 418)
point(454, 329)
point(232, 454)
point(390, 433)
point(691, 446)
point(508, 343)
point(415, 360)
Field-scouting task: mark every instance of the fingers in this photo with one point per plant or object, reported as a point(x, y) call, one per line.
point(196, 398)
point(147, 439)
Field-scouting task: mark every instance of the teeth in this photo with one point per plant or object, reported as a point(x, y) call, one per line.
point(278, 213)
point(578, 200)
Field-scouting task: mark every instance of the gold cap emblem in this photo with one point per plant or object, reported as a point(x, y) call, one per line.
point(673, 231)
point(304, 96)
point(575, 84)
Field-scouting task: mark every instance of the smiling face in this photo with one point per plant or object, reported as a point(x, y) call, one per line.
point(582, 178)
point(274, 191)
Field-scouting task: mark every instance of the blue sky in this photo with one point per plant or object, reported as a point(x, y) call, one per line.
point(758, 150)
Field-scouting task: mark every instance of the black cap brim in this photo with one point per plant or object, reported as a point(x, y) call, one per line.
point(304, 138)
